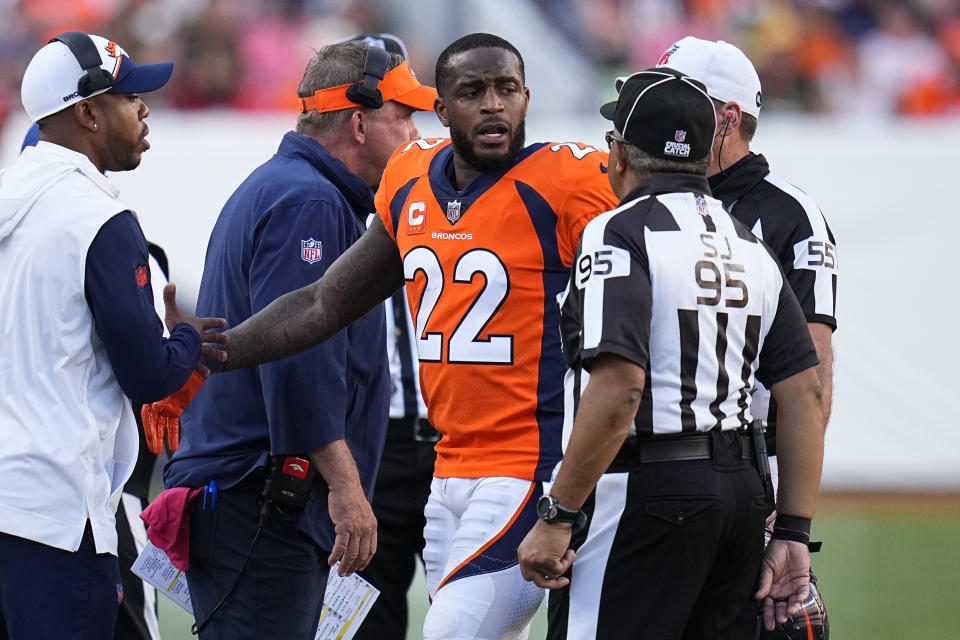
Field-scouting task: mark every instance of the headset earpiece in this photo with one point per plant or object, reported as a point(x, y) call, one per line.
point(95, 78)
point(731, 114)
point(365, 92)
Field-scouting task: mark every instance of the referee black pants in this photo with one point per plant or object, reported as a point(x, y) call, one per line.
point(672, 551)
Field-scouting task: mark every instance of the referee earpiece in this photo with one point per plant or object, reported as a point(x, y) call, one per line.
point(729, 116)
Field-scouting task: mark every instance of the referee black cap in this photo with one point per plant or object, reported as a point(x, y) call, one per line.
point(664, 113)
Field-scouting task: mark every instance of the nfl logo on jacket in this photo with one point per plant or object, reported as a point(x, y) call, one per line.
point(311, 250)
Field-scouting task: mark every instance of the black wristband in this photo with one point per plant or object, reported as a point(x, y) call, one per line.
point(792, 528)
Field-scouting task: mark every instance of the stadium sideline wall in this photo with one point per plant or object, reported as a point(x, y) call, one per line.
point(885, 185)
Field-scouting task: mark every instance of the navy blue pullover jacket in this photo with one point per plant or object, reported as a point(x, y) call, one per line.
point(119, 292)
point(280, 230)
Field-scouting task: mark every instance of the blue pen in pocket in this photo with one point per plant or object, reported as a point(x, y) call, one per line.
point(203, 525)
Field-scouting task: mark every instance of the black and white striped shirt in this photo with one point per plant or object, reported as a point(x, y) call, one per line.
point(671, 282)
point(792, 225)
point(406, 400)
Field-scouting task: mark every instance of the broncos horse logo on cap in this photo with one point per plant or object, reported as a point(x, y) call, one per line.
point(116, 52)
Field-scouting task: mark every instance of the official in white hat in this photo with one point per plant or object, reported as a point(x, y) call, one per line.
point(786, 218)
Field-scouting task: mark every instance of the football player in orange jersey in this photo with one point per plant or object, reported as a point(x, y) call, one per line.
point(481, 230)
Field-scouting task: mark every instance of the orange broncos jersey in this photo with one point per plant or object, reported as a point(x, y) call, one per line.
point(483, 269)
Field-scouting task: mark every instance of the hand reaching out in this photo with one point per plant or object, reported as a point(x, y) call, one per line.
point(174, 316)
point(163, 417)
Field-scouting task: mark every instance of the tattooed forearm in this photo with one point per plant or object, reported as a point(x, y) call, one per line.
point(367, 273)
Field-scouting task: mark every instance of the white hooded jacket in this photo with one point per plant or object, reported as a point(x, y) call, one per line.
point(68, 439)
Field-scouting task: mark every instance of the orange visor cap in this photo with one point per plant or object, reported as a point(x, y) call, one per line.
point(399, 84)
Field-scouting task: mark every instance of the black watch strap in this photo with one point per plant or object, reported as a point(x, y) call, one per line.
point(551, 511)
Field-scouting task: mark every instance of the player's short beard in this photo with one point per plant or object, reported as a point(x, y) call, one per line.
point(486, 164)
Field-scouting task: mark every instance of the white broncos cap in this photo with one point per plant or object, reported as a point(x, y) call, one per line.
point(54, 78)
point(725, 70)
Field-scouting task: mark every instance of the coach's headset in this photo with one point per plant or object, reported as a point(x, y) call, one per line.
point(95, 78)
point(365, 92)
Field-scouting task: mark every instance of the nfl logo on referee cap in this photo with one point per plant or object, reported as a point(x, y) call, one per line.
point(664, 113)
point(311, 250)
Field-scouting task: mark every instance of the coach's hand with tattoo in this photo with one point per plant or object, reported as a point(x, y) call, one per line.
point(545, 554)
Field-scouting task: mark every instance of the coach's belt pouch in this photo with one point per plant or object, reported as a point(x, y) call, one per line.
point(720, 446)
point(287, 486)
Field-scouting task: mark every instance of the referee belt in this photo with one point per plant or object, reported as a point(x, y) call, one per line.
point(420, 429)
point(697, 446)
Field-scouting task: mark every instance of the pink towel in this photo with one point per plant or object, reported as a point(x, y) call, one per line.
point(168, 524)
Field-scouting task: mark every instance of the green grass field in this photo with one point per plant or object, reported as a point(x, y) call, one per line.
point(889, 570)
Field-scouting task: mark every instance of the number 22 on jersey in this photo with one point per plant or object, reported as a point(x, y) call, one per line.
point(464, 345)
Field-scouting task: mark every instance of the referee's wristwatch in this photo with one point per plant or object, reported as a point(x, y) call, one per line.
point(551, 511)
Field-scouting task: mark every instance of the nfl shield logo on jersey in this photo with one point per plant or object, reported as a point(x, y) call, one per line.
point(702, 208)
point(453, 211)
point(680, 135)
point(311, 250)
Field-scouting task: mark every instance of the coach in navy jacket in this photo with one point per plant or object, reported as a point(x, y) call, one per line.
point(257, 252)
point(281, 229)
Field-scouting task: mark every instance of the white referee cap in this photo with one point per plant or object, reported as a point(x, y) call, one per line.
point(723, 68)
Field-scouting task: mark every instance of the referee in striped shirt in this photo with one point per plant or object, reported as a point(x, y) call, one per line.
point(780, 214)
point(675, 309)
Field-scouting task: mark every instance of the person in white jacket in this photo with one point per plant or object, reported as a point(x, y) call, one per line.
point(78, 331)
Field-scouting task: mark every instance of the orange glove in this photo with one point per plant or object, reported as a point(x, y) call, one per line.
point(164, 415)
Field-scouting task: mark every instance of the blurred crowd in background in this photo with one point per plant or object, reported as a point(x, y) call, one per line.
point(861, 57)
